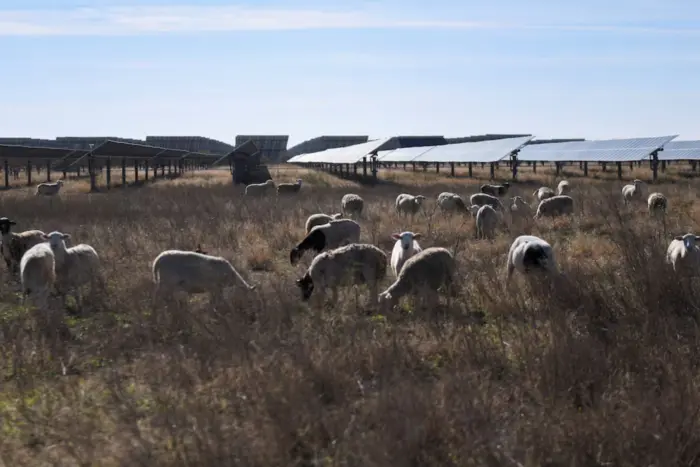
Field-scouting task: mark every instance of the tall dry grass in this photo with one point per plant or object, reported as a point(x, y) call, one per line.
point(600, 370)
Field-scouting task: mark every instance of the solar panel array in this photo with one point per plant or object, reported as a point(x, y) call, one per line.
point(680, 150)
point(611, 150)
point(482, 151)
point(344, 155)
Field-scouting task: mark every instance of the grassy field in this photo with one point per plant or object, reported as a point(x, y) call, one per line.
point(602, 370)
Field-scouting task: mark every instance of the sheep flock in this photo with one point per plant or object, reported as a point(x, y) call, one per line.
point(310, 320)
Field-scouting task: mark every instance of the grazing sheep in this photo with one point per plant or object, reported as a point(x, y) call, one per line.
point(520, 208)
point(657, 204)
point(75, 266)
point(49, 189)
point(563, 188)
point(495, 190)
point(632, 192)
point(408, 204)
point(481, 199)
point(555, 206)
point(684, 254)
point(486, 221)
point(543, 193)
point(422, 273)
point(14, 245)
point(289, 188)
point(38, 274)
point(320, 219)
point(178, 271)
point(405, 247)
point(349, 265)
point(474, 209)
point(528, 254)
point(352, 205)
point(451, 202)
point(260, 189)
point(327, 236)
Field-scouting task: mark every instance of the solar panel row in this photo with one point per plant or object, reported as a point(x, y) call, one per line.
point(344, 155)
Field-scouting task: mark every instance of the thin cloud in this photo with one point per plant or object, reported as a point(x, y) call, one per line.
point(138, 20)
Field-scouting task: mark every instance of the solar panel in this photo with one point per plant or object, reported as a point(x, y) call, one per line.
point(612, 150)
point(404, 154)
point(682, 145)
point(680, 150)
point(342, 155)
point(479, 151)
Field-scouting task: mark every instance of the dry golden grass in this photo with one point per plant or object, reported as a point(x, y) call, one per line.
point(601, 370)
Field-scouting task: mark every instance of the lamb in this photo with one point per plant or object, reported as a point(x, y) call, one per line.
point(555, 206)
point(657, 204)
point(684, 254)
point(14, 245)
point(260, 189)
point(177, 271)
point(327, 236)
point(352, 205)
point(405, 247)
point(408, 204)
point(38, 274)
point(486, 221)
point(563, 188)
point(543, 193)
point(77, 265)
point(451, 202)
point(49, 189)
point(289, 188)
point(528, 254)
point(481, 199)
point(353, 264)
point(632, 192)
point(423, 272)
point(495, 190)
point(320, 219)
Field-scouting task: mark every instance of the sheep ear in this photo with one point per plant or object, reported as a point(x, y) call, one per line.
point(697, 239)
point(395, 236)
point(13, 223)
point(65, 236)
point(417, 235)
point(678, 237)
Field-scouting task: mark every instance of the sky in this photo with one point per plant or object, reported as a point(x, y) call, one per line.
point(595, 69)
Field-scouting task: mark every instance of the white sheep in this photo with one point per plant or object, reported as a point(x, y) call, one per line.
point(481, 199)
point(422, 274)
point(320, 219)
point(179, 271)
point(555, 206)
point(406, 246)
point(519, 208)
point(48, 188)
point(38, 274)
point(633, 191)
point(487, 219)
point(75, 266)
point(528, 254)
point(352, 205)
point(563, 188)
point(409, 204)
point(260, 189)
point(657, 204)
point(15, 244)
point(289, 188)
point(327, 237)
point(354, 264)
point(495, 190)
point(543, 193)
point(451, 202)
point(684, 254)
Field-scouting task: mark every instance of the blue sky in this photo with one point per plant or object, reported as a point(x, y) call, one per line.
point(553, 68)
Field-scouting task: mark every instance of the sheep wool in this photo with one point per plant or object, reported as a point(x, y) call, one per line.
point(260, 189)
point(486, 221)
point(495, 190)
point(543, 193)
point(14, 245)
point(320, 219)
point(451, 202)
point(352, 205)
point(49, 189)
point(423, 272)
point(327, 236)
point(408, 204)
point(633, 191)
point(38, 274)
point(683, 254)
point(77, 265)
point(354, 264)
point(563, 188)
point(405, 247)
point(528, 254)
point(519, 207)
point(555, 206)
point(481, 199)
point(657, 203)
point(289, 188)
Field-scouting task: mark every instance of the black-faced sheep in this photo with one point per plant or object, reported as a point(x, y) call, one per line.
point(14, 245)
point(684, 255)
point(327, 236)
point(530, 254)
